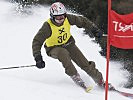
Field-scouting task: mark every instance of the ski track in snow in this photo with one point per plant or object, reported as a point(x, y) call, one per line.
point(17, 32)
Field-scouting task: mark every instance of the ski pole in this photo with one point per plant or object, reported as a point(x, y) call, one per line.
point(17, 67)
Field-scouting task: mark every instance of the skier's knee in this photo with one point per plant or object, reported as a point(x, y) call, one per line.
point(63, 55)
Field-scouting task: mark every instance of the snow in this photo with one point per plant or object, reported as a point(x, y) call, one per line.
point(50, 83)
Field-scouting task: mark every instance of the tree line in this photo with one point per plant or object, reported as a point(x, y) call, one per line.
point(95, 10)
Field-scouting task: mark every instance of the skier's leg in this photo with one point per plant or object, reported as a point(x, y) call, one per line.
point(64, 57)
point(83, 63)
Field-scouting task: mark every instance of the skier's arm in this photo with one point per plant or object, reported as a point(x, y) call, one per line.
point(39, 39)
point(83, 22)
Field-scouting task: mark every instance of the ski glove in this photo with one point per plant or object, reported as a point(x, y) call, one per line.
point(39, 62)
point(97, 32)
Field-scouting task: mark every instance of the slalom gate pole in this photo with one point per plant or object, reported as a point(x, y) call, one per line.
point(17, 67)
point(108, 51)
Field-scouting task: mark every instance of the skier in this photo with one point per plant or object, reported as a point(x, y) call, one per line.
point(60, 44)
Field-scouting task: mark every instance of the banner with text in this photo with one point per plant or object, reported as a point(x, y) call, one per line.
point(121, 30)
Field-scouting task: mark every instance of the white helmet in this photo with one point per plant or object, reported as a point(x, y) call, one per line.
point(57, 8)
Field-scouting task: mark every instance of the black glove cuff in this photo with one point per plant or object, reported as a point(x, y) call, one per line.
point(38, 58)
point(97, 32)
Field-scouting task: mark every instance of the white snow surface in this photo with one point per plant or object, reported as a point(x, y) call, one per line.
point(51, 83)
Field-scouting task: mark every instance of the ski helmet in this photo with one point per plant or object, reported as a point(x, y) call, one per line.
point(56, 9)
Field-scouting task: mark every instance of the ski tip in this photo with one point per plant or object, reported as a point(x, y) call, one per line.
point(88, 89)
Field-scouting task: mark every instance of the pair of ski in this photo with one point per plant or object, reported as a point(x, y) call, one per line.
point(89, 88)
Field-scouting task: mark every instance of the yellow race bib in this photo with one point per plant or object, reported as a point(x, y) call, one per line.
point(60, 34)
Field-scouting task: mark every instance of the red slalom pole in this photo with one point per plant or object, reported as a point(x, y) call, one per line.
point(108, 51)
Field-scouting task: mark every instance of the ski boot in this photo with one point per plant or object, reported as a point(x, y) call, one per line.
point(76, 78)
point(102, 85)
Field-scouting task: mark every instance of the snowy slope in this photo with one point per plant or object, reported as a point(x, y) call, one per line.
point(16, 34)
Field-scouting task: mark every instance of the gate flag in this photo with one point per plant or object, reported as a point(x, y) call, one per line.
point(121, 30)
point(120, 35)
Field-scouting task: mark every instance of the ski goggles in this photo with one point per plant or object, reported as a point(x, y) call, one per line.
point(60, 17)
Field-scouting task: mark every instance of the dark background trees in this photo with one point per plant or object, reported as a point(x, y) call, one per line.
point(95, 10)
